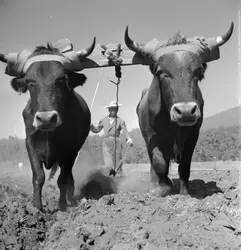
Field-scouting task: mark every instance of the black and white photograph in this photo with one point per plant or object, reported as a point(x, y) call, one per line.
point(120, 125)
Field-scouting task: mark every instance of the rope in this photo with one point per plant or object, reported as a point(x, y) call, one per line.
point(96, 89)
point(117, 99)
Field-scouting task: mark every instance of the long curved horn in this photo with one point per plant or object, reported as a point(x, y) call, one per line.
point(224, 38)
point(136, 47)
point(3, 58)
point(86, 52)
point(131, 44)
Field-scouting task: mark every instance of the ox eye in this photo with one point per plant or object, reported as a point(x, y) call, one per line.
point(162, 73)
point(199, 74)
point(61, 82)
point(159, 72)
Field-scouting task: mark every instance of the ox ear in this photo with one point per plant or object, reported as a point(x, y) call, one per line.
point(152, 68)
point(154, 99)
point(19, 84)
point(76, 79)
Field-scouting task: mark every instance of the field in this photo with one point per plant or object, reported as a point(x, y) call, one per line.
point(123, 213)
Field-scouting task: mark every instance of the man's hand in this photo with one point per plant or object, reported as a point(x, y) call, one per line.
point(130, 142)
point(93, 125)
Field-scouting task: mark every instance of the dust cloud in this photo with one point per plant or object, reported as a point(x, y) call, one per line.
point(136, 182)
point(90, 179)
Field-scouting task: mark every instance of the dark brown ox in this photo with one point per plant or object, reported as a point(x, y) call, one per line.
point(57, 120)
point(170, 111)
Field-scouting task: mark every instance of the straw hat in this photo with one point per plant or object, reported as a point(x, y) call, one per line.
point(112, 104)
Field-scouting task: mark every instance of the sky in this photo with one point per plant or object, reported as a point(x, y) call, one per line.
point(28, 23)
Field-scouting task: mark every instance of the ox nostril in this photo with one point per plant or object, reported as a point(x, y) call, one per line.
point(179, 112)
point(193, 110)
point(185, 113)
point(39, 119)
point(54, 119)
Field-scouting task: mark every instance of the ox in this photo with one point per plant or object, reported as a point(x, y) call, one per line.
point(57, 119)
point(170, 111)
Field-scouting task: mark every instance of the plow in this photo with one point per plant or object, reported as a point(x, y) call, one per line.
point(130, 216)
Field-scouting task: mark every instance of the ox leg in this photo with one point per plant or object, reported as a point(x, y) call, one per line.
point(38, 178)
point(63, 181)
point(184, 166)
point(70, 190)
point(159, 172)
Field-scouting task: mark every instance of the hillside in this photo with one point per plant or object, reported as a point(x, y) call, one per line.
point(230, 117)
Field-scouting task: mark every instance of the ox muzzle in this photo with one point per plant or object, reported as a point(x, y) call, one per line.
point(185, 113)
point(47, 121)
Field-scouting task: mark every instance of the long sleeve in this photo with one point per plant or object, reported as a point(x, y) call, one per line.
point(124, 130)
point(96, 129)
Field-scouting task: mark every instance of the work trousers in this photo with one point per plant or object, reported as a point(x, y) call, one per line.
point(112, 153)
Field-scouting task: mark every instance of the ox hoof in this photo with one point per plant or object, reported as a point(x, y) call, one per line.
point(72, 202)
point(184, 188)
point(184, 191)
point(40, 209)
point(62, 206)
point(38, 206)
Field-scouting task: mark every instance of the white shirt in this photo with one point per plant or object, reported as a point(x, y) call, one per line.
point(111, 120)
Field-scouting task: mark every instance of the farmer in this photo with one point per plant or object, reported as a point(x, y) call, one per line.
point(112, 125)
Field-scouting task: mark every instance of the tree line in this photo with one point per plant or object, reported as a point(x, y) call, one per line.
point(220, 144)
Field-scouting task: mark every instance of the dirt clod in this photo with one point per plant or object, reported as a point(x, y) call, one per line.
point(117, 214)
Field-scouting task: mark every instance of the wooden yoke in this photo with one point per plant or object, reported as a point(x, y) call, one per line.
point(101, 57)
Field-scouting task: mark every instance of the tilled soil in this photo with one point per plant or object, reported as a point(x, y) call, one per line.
point(130, 218)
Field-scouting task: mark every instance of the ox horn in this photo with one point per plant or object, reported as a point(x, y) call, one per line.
point(224, 38)
point(3, 58)
point(86, 52)
point(131, 44)
point(136, 47)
